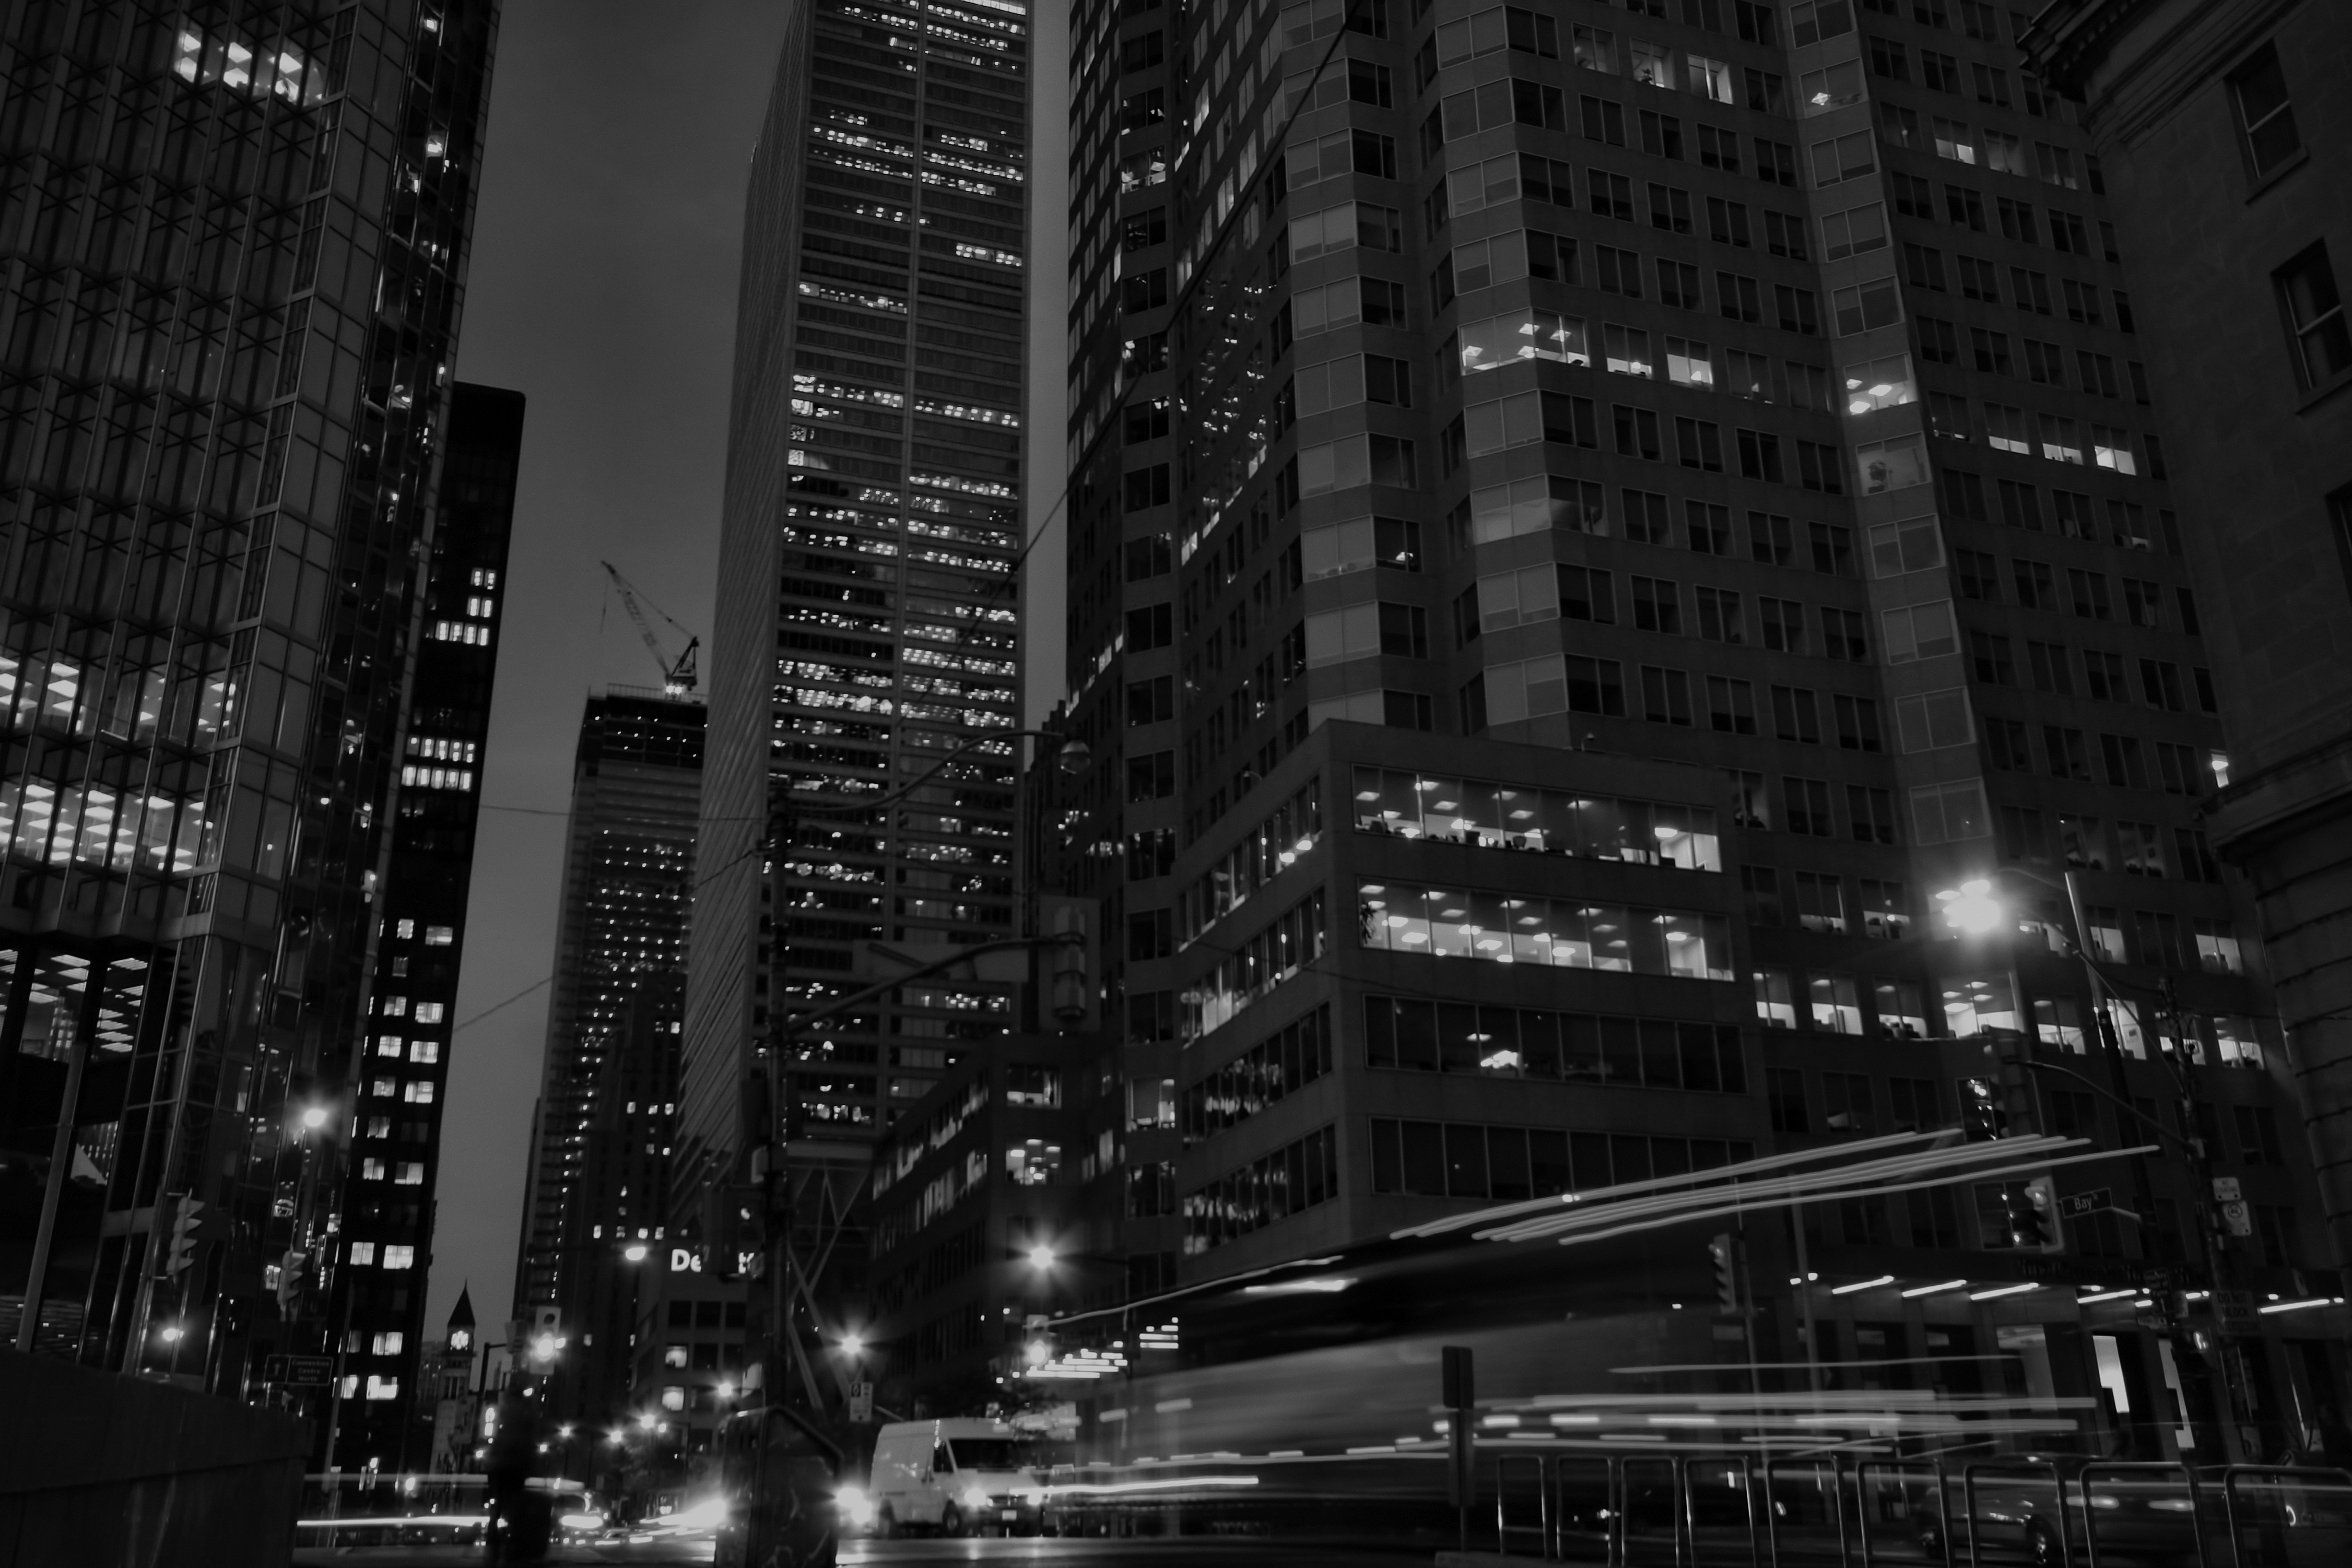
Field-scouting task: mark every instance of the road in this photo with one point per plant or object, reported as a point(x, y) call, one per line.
point(1029, 1553)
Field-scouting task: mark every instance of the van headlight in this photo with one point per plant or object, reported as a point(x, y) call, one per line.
point(975, 1497)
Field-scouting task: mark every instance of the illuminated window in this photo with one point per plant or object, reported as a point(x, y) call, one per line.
point(424, 1050)
point(383, 1388)
point(673, 1397)
point(438, 936)
point(362, 1252)
point(388, 1343)
point(399, 1257)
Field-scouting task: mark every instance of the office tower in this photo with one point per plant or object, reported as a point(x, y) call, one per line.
point(1704, 443)
point(866, 614)
point(231, 301)
point(2222, 158)
point(628, 894)
point(620, 1203)
point(394, 1184)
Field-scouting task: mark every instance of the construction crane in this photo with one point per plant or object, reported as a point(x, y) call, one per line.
point(678, 677)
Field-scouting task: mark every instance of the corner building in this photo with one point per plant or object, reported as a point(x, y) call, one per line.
point(866, 621)
point(2225, 142)
point(234, 266)
point(1508, 429)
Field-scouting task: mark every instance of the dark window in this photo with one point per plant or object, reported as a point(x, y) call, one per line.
point(2265, 116)
point(2315, 317)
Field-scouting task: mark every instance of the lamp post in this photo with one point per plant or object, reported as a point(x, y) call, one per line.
point(1975, 909)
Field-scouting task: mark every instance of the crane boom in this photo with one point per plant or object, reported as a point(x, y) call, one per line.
point(678, 677)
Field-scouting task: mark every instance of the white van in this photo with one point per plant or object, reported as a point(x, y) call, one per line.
point(964, 1476)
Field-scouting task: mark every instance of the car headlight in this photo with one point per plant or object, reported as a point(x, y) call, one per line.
point(973, 1497)
point(583, 1522)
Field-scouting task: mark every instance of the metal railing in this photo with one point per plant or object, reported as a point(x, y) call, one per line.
point(1735, 1511)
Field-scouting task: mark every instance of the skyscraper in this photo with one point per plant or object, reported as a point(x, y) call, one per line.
point(866, 614)
point(231, 303)
point(628, 894)
point(1590, 530)
point(392, 1186)
point(2225, 148)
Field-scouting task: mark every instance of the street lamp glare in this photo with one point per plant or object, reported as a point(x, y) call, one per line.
point(634, 1252)
point(315, 1117)
point(853, 1343)
point(1042, 1255)
point(1073, 758)
point(1972, 909)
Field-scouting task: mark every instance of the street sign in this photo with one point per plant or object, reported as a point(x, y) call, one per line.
point(2158, 1276)
point(2075, 1205)
point(2234, 1311)
point(861, 1404)
point(298, 1370)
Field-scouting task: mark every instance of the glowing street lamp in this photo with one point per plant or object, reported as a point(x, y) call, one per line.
point(1972, 909)
point(634, 1252)
point(1041, 1256)
point(853, 1345)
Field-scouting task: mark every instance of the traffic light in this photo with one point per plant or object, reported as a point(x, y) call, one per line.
point(1724, 1249)
point(2032, 1211)
point(1070, 963)
point(289, 1283)
point(2012, 1052)
point(180, 1248)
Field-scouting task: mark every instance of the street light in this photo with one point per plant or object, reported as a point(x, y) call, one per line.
point(853, 1345)
point(1041, 1256)
point(315, 1117)
point(543, 1348)
point(1972, 909)
point(634, 1252)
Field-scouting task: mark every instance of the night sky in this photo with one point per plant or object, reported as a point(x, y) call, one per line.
point(602, 287)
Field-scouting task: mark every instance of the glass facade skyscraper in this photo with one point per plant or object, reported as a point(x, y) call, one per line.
point(620, 939)
point(865, 606)
point(236, 245)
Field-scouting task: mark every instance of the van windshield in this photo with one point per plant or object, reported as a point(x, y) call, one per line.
point(989, 1454)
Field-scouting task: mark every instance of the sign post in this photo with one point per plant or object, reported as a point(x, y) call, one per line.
point(1461, 1429)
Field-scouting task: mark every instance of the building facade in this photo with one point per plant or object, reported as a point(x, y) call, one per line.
point(988, 1216)
point(2223, 147)
point(233, 291)
point(628, 895)
point(1566, 430)
point(865, 623)
point(620, 1205)
point(389, 1196)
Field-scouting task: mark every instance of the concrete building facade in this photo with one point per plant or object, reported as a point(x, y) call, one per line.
point(2223, 136)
